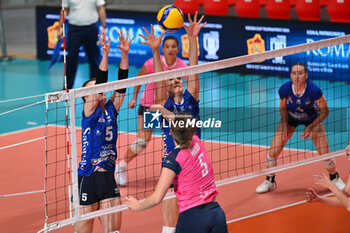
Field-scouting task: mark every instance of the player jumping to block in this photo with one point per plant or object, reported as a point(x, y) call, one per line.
point(97, 186)
point(171, 96)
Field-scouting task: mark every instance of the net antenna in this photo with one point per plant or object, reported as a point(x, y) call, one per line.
point(4, 55)
point(229, 176)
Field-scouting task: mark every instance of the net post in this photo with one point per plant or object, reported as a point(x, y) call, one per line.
point(4, 56)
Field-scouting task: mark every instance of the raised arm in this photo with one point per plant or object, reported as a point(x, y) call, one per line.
point(154, 43)
point(92, 101)
point(193, 30)
point(118, 95)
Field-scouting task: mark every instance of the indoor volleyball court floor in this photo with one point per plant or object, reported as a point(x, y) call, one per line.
point(22, 170)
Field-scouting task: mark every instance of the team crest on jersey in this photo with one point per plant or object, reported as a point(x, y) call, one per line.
point(298, 101)
point(101, 120)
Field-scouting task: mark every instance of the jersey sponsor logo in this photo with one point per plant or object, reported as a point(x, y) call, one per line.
point(105, 154)
point(206, 191)
point(85, 145)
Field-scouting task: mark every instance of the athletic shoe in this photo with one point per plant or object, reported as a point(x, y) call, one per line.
point(120, 177)
point(266, 186)
point(339, 183)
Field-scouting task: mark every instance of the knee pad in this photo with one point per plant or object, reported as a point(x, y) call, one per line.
point(138, 145)
point(329, 164)
point(271, 162)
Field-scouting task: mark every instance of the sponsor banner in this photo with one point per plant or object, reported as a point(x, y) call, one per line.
point(221, 38)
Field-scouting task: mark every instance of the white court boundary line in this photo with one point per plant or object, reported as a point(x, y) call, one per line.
point(20, 194)
point(22, 143)
point(21, 98)
point(272, 210)
point(23, 107)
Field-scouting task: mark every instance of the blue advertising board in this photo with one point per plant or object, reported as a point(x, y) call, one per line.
point(222, 37)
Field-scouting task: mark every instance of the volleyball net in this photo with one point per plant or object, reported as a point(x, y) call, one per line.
point(239, 110)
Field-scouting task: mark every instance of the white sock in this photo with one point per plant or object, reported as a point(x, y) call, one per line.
point(168, 229)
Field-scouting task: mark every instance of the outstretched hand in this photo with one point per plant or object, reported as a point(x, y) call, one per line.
point(132, 203)
point(311, 195)
point(124, 42)
point(322, 180)
point(306, 133)
point(105, 45)
point(194, 28)
point(151, 40)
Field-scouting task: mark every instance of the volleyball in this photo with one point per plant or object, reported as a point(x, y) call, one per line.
point(170, 18)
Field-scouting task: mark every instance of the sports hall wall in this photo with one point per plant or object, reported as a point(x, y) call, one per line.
point(223, 37)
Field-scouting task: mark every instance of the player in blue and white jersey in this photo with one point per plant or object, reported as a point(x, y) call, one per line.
point(171, 96)
point(97, 186)
point(301, 103)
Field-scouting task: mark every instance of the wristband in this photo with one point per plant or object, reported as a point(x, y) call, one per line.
point(122, 74)
point(102, 76)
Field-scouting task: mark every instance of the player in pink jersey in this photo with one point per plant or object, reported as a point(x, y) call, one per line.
point(169, 61)
point(189, 169)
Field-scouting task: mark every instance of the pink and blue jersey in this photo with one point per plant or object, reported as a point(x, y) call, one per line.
point(99, 137)
point(147, 97)
point(194, 183)
point(301, 108)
